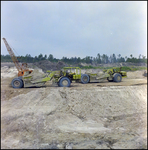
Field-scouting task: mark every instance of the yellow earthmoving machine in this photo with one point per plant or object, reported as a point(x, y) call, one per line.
point(63, 77)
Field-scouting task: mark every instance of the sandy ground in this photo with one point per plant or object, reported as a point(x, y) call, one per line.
point(104, 115)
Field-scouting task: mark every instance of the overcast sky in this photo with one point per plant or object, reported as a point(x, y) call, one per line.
point(75, 28)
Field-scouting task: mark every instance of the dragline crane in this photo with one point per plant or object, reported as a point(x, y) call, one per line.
point(21, 68)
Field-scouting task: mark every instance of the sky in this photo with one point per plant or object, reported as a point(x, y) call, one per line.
point(74, 28)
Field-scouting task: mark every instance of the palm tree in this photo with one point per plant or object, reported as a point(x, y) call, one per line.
point(114, 58)
point(99, 59)
point(119, 55)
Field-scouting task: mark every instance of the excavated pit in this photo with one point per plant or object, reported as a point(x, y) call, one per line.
point(95, 115)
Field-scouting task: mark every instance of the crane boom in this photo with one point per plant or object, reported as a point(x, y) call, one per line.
point(12, 55)
point(21, 68)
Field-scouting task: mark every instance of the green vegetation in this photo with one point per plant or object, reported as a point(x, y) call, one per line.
point(124, 68)
point(104, 59)
point(133, 68)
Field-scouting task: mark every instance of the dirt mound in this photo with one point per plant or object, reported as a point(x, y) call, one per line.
point(9, 64)
point(128, 64)
point(83, 116)
point(47, 65)
point(7, 72)
point(135, 74)
point(60, 65)
point(94, 117)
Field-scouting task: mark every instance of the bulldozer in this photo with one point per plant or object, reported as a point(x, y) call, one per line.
point(65, 76)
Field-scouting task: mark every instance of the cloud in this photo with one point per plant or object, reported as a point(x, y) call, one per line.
point(75, 28)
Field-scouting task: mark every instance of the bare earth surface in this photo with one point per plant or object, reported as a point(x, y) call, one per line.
point(103, 115)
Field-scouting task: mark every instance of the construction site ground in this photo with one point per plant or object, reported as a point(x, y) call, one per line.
point(104, 115)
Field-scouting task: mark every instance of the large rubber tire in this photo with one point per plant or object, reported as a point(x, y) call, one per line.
point(117, 77)
point(21, 80)
point(85, 78)
point(17, 83)
point(64, 82)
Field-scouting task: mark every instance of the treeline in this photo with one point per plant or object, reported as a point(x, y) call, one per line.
point(99, 59)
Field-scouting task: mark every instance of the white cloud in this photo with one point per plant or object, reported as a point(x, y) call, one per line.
point(75, 27)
